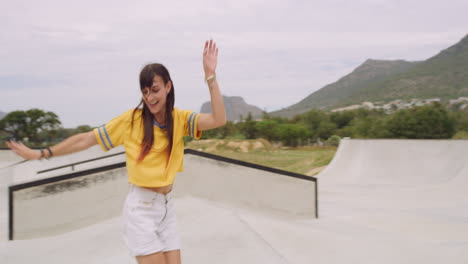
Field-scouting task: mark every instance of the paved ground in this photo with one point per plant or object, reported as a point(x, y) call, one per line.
point(8, 158)
point(380, 201)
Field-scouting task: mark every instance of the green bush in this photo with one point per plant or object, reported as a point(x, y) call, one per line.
point(424, 122)
point(291, 134)
point(461, 135)
point(334, 140)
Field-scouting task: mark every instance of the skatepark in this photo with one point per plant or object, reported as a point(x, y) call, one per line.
point(378, 201)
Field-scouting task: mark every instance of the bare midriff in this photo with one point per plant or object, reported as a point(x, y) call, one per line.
point(163, 189)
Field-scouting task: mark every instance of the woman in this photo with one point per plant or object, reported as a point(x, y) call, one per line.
point(153, 140)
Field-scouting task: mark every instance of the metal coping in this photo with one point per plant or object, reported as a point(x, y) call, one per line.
point(68, 176)
point(250, 165)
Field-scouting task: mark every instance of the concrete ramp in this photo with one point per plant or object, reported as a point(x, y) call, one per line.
point(414, 191)
point(418, 172)
point(397, 162)
point(381, 201)
point(245, 184)
point(64, 214)
point(8, 158)
point(64, 203)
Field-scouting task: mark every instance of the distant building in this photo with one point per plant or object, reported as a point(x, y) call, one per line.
point(368, 105)
point(399, 104)
point(459, 100)
point(351, 107)
point(433, 100)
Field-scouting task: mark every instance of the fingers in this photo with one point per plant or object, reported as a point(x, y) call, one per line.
point(205, 50)
point(12, 144)
point(210, 47)
point(18, 148)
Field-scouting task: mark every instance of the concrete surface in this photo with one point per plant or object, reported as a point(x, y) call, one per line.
point(380, 201)
point(78, 202)
point(8, 158)
point(59, 215)
point(242, 186)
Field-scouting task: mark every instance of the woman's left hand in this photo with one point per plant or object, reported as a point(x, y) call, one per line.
point(210, 58)
point(23, 151)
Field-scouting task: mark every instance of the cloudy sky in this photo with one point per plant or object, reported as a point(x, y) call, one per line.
point(81, 59)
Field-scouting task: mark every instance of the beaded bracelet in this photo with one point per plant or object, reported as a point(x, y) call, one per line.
point(50, 152)
point(42, 154)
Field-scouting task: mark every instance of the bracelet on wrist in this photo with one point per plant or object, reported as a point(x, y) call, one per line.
point(43, 153)
point(211, 78)
point(50, 153)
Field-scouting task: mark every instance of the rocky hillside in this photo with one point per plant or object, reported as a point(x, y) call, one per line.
point(235, 107)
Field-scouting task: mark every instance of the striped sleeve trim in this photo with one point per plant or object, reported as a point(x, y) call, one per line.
point(107, 136)
point(191, 124)
point(102, 130)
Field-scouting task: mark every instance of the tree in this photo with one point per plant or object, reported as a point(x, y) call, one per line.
point(265, 115)
point(334, 140)
point(227, 130)
point(266, 129)
point(14, 124)
point(461, 119)
point(369, 127)
point(29, 124)
point(326, 129)
point(83, 129)
point(248, 127)
point(320, 124)
point(292, 134)
point(429, 122)
point(342, 118)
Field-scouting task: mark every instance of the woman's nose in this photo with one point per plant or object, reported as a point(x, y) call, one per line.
point(151, 96)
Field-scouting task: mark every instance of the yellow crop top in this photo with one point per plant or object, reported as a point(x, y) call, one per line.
point(157, 169)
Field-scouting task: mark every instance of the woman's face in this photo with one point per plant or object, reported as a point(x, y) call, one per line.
point(155, 96)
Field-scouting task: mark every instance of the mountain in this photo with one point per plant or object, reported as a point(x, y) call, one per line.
point(444, 75)
point(2, 114)
point(235, 107)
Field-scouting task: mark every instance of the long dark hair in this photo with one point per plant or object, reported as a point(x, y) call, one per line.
point(146, 80)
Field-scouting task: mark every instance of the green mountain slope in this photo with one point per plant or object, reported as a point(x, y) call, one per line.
point(444, 75)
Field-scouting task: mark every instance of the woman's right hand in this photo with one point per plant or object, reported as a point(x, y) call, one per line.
point(21, 150)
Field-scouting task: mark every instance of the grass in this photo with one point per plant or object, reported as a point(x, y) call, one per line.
point(303, 160)
point(461, 135)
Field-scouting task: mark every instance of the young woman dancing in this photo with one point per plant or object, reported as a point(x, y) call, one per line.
point(152, 135)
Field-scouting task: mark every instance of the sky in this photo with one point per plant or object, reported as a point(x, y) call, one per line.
point(81, 59)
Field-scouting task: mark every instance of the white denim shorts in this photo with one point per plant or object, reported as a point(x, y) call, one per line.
point(149, 222)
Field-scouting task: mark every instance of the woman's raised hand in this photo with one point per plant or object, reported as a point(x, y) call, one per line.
point(23, 151)
point(210, 58)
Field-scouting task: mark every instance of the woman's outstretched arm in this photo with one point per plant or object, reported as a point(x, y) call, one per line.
point(72, 144)
point(218, 116)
